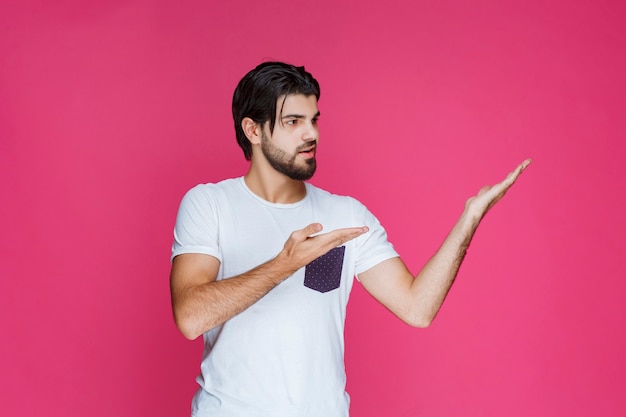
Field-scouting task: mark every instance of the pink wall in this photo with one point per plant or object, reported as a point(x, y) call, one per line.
point(111, 110)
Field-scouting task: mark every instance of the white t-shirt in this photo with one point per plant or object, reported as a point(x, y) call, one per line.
point(282, 356)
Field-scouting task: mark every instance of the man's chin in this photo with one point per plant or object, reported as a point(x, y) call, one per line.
point(303, 174)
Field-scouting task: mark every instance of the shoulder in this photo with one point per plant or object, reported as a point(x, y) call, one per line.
point(205, 202)
point(213, 191)
point(336, 201)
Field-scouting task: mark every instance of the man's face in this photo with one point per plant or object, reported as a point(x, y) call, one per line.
point(291, 148)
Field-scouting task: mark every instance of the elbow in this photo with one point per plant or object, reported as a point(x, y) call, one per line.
point(189, 334)
point(192, 324)
point(422, 323)
point(420, 320)
point(187, 327)
point(187, 331)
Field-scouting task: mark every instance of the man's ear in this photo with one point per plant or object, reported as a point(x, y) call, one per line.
point(252, 130)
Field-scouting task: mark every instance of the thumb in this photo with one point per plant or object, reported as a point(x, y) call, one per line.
point(303, 234)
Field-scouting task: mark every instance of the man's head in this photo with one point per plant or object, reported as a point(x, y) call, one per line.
point(257, 96)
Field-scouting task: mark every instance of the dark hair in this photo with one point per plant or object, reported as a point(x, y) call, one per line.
point(258, 91)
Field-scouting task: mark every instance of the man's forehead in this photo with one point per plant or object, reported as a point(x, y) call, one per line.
point(298, 104)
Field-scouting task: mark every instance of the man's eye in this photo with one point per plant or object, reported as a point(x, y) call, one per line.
point(292, 122)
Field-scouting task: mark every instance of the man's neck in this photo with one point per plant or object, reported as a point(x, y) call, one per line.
point(273, 186)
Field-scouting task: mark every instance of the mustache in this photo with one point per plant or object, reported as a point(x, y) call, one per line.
point(312, 143)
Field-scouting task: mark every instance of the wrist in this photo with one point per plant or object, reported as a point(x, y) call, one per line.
point(280, 268)
point(470, 219)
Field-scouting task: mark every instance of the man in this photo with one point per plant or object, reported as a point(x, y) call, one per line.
point(263, 264)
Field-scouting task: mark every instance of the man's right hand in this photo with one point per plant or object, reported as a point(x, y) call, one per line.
point(305, 245)
point(201, 302)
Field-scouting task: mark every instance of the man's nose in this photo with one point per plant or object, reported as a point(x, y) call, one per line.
point(310, 133)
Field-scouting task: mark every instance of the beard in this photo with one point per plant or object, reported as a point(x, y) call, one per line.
point(285, 163)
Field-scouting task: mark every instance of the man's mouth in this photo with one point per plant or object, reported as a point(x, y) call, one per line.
point(308, 152)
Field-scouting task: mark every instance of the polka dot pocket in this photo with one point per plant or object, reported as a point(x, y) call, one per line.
point(324, 273)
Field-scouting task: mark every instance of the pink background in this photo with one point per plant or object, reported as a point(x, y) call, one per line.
point(111, 110)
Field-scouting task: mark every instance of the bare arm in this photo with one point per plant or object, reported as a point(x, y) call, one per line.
point(416, 300)
point(200, 302)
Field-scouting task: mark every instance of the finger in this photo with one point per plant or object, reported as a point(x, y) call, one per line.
point(521, 167)
point(484, 190)
point(341, 236)
point(513, 175)
point(313, 228)
point(303, 234)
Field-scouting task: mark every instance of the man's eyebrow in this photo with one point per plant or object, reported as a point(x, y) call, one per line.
point(299, 116)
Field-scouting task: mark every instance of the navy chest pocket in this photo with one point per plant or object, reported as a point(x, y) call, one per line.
point(324, 273)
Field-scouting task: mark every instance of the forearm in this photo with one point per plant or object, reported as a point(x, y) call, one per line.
point(417, 300)
point(431, 285)
point(202, 307)
point(201, 302)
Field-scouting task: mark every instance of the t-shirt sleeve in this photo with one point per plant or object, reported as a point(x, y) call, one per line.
point(196, 229)
point(372, 247)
